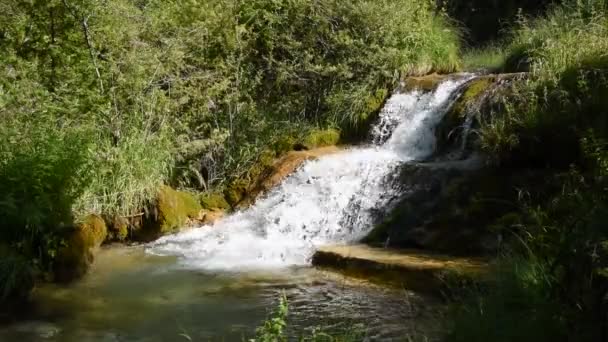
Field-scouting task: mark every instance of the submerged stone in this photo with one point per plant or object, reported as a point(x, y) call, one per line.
point(411, 269)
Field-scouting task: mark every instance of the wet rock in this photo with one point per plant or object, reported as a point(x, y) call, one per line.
point(426, 83)
point(74, 259)
point(445, 208)
point(411, 269)
point(478, 101)
point(242, 193)
point(210, 216)
point(457, 207)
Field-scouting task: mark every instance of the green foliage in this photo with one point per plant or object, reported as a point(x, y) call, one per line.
point(555, 119)
point(44, 170)
point(273, 329)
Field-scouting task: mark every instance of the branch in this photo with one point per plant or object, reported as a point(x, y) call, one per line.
point(87, 37)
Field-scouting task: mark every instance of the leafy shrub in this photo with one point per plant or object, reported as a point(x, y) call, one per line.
point(44, 170)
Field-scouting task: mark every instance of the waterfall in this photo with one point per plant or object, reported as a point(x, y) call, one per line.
point(326, 201)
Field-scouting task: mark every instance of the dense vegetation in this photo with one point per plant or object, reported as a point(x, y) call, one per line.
point(552, 283)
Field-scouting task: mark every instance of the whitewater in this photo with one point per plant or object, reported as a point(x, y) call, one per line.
point(326, 201)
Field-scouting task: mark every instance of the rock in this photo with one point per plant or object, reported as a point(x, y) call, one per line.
point(426, 83)
point(448, 208)
point(478, 101)
point(209, 217)
point(172, 211)
point(410, 269)
point(275, 173)
point(74, 259)
point(118, 229)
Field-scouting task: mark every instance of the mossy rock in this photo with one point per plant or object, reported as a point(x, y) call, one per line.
point(472, 93)
point(448, 132)
point(118, 229)
point(211, 201)
point(426, 83)
point(172, 210)
point(321, 138)
point(74, 259)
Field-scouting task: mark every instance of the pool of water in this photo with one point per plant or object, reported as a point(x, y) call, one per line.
point(132, 296)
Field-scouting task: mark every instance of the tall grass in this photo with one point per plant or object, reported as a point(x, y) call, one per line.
point(518, 307)
point(491, 58)
point(555, 120)
point(561, 98)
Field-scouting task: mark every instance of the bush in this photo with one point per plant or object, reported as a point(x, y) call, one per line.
point(44, 170)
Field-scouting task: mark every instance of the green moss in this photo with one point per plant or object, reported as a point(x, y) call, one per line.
point(93, 231)
point(425, 83)
point(73, 259)
point(321, 138)
point(236, 191)
point(174, 208)
point(283, 145)
point(214, 201)
point(475, 88)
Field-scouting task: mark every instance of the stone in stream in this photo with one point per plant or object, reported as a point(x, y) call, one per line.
point(416, 270)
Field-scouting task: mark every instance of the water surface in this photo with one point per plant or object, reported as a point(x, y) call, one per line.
point(133, 296)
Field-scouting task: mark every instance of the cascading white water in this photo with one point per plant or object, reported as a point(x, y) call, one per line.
point(327, 201)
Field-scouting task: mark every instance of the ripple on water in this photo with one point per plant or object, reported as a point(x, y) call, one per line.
point(131, 296)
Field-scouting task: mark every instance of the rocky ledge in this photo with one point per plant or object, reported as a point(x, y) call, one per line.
point(411, 269)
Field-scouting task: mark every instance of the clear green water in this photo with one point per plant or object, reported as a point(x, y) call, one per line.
point(131, 296)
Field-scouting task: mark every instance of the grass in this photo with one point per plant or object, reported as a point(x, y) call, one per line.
point(518, 307)
point(560, 99)
point(487, 59)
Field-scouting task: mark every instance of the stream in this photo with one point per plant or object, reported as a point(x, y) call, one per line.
point(221, 282)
